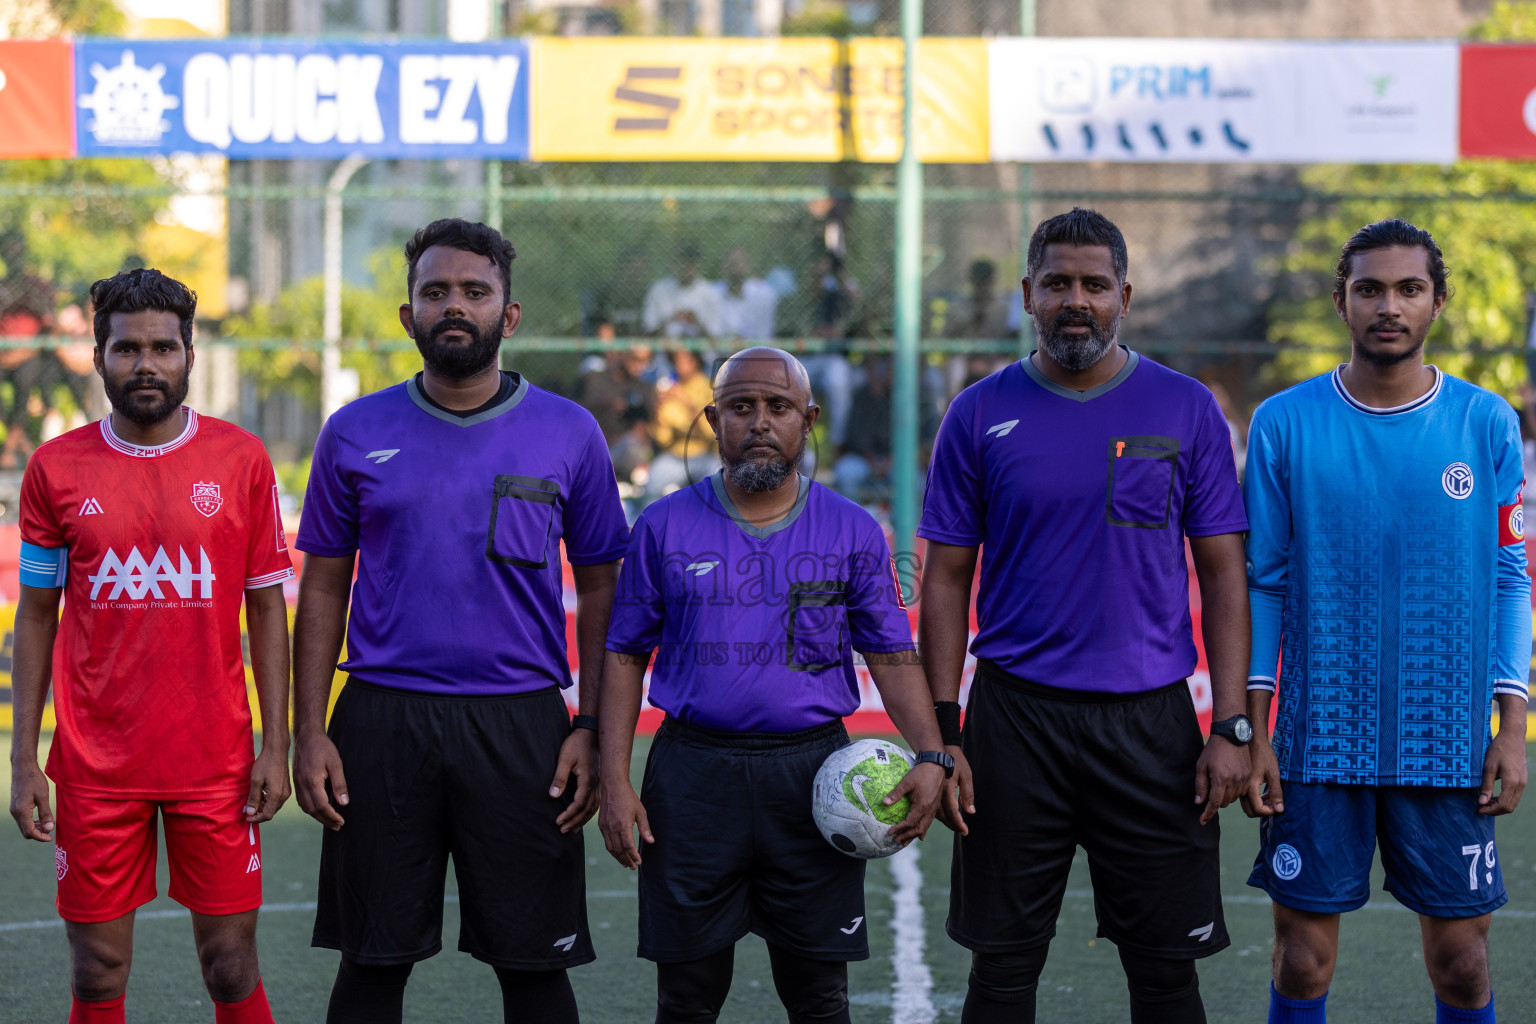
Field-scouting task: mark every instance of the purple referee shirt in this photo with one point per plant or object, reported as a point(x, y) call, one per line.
point(755, 628)
point(1080, 502)
point(457, 523)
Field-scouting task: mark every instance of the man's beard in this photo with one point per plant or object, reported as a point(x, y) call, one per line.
point(1380, 358)
point(136, 410)
point(755, 476)
point(1075, 354)
point(459, 361)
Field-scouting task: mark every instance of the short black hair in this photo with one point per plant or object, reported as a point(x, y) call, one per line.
point(1392, 233)
point(138, 291)
point(454, 233)
point(1079, 227)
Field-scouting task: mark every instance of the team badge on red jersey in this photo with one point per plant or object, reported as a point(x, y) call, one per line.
point(206, 499)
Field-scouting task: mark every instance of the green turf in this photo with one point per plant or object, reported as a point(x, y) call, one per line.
point(1380, 976)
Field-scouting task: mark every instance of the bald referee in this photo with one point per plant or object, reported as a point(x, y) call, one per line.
point(757, 586)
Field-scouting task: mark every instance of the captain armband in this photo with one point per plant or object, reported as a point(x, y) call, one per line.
point(43, 567)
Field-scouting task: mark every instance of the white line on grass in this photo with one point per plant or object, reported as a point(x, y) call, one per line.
point(912, 991)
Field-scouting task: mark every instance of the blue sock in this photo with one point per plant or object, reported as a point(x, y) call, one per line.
point(1299, 1011)
point(1455, 1015)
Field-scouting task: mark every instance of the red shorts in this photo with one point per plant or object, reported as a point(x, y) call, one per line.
point(104, 853)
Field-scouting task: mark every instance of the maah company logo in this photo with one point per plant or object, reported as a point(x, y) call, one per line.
point(128, 103)
point(138, 578)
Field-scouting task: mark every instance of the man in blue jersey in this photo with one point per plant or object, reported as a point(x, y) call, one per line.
point(754, 586)
point(1387, 575)
point(451, 494)
point(1078, 472)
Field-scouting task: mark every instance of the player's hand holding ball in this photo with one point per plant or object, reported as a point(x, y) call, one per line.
point(869, 801)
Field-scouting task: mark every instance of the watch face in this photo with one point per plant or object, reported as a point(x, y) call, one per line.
point(1242, 731)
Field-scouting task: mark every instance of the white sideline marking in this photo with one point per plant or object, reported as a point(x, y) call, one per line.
point(912, 991)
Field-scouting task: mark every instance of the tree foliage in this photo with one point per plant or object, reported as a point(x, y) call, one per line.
point(1482, 214)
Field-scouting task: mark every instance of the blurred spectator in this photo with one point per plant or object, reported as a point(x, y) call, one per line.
point(834, 303)
point(747, 304)
point(618, 301)
point(687, 451)
point(866, 460)
point(982, 313)
point(23, 369)
point(685, 305)
point(615, 394)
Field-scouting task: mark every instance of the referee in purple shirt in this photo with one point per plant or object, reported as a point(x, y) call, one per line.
point(451, 494)
point(754, 586)
point(1078, 472)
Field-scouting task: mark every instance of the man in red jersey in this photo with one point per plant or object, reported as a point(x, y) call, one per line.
point(156, 521)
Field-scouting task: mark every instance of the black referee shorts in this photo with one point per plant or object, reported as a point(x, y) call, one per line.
point(430, 776)
point(1114, 773)
point(737, 850)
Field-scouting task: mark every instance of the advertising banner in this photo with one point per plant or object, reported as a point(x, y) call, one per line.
point(1498, 101)
point(300, 99)
point(1223, 101)
point(754, 99)
point(36, 99)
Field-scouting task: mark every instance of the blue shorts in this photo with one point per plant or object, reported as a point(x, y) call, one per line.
point(1437, 850)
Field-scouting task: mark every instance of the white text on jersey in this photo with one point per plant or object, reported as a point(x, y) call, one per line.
point(139, 578)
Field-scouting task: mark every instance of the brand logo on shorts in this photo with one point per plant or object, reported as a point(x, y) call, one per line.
point(1203, 933)
point(853, 927)
point(566, 943)
point(1286, 863)
point(206, 498)
point(1457, 480)
point(254, 864)
point(60, 862)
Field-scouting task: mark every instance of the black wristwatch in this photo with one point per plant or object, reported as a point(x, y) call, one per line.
point(1237, 729)
point(938, 757)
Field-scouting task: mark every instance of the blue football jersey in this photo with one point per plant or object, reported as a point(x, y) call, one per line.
point(1386, 572)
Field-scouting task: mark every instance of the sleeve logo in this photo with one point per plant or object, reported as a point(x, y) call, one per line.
point(206, 498)
point(1512, 524)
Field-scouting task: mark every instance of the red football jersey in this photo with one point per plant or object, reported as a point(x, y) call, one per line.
point(148, 680)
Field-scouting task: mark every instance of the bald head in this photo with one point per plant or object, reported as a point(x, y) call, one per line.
point(762, 416)
point(763, 367)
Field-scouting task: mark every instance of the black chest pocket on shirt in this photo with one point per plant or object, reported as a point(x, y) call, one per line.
point(1141, 469)
point(816, 615)
point(522, 515)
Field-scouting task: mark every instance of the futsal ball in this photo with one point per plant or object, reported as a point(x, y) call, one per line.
point(846, 799)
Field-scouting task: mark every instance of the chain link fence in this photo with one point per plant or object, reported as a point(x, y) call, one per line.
point(1231, 271)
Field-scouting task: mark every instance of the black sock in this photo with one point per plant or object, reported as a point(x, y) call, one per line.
point(693, 992)
point(1002, 987)
point(536, 997)
point(813, 991)
point(1162, 991)
point(368, 995)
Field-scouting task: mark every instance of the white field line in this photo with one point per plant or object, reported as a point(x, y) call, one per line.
point(912, 990)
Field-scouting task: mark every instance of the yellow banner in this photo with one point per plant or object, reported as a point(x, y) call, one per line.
point(754, 99)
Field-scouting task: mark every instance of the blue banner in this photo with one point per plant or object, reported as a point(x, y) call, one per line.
point(289, 99)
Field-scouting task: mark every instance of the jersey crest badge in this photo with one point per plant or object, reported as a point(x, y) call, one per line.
point(206, 498)
point(1457, 480)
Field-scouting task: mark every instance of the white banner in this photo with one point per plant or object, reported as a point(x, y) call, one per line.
point(1223, 101)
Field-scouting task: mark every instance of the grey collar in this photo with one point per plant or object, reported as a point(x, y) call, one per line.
point(718, 482)
point(1131, 359)
point(467, 421)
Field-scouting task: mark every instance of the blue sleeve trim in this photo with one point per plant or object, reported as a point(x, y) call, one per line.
point(43, 567)
point(1265, 608)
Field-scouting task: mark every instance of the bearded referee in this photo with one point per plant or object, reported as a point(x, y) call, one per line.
point(1079, 471)
point(451, 494)
point(757, 586)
